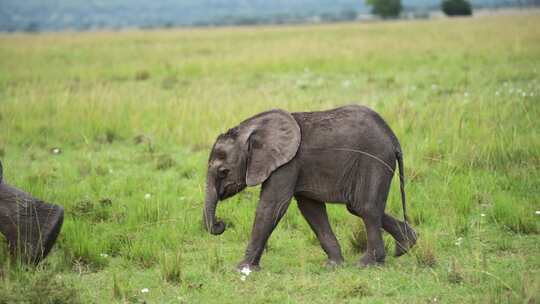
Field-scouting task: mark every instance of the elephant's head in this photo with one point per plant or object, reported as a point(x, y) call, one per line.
point(246, 155)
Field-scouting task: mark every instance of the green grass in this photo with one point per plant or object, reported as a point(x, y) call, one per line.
point(136, 112)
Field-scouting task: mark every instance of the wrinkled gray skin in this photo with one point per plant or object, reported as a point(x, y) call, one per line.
point(29, 225)
point(345, 155)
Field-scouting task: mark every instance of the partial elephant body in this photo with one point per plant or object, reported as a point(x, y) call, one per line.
point(29, 225)
point(339, 149)
point(346, 155)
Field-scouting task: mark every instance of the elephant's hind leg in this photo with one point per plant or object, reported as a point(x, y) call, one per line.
point(404, 235)
point(368, 202)
point(372, 218)
point(315, 214)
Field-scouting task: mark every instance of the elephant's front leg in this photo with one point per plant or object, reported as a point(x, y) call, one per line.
point(275, 197)
point(268, 215)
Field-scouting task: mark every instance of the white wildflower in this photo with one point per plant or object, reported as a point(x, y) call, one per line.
point(482, 214)
point(56, 151)
point(458, 241)
point(147, 196)
point(103, 255)
point(537, 212)
point(246, 271)
point(145, 290)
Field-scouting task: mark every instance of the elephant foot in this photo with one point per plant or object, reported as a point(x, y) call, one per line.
point(333, 263)
point(406, 243)
point(246, 268)
point(370, 260)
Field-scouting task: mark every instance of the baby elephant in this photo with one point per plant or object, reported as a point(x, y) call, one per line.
point(346, 155)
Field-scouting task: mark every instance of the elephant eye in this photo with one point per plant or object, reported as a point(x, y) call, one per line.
point(222, 172)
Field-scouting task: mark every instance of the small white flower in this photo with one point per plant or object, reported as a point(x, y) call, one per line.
point(145, 290)
point(147, 196)
point(246, 271)
point(103, 255)
point(482, 214)
point(458, 241)
point(537, 212)
point(243, 278)
point(56, 151)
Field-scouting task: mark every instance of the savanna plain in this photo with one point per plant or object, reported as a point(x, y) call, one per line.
point(117, 127)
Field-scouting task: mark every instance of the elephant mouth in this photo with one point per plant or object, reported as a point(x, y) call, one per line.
point(230, 190)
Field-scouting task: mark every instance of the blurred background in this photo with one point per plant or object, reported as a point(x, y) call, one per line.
point(56, 15)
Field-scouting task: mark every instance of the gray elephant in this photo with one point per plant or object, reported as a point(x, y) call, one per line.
point(345, 155)
point(29, 225)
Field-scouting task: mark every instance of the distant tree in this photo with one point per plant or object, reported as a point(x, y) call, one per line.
point(385, 8)
point(348, 14)
point(456, 7)
point(31, 27)
point(329, 17)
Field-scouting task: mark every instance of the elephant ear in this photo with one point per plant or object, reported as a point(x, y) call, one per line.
point(272, 138)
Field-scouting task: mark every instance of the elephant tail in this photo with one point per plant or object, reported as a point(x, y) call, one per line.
point(399, 157)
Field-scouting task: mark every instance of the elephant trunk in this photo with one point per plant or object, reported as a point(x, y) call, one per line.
point(211, 224)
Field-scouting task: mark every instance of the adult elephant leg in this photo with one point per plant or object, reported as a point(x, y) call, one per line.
point(29, 225)
point(315, 214)
point(276, 194)
point(404, 235)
